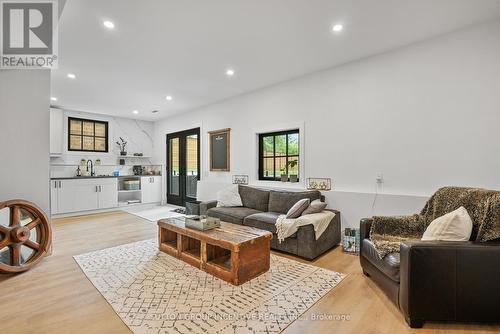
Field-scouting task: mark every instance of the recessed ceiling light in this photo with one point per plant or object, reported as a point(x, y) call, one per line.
point(230, 72)
point(135, 112)
point(53, 99)
point(169, 98)
point(109, 24)
point(71, 76)
point(337, 27)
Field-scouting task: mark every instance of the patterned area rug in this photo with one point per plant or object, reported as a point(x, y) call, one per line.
point(153, 292)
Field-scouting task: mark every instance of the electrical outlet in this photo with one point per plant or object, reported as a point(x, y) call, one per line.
point(379, 178)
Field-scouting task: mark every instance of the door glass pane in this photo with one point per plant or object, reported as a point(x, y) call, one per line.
point(88, 128)
point(293, 144)
point(268, 166)
point(174, 166)
point(191, 165)
point(280, 145)
point(268, 146)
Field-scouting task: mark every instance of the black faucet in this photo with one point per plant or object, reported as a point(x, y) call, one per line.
point(92, 173)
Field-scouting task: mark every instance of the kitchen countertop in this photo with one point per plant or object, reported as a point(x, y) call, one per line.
point(95, 177)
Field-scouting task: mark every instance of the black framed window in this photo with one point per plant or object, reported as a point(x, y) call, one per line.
point(87, 135)
point(278, 154)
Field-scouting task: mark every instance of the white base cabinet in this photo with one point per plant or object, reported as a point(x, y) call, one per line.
point(151, 189)
point(83, 195)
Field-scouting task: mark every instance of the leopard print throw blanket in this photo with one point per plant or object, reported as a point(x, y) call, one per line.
point(483, 206)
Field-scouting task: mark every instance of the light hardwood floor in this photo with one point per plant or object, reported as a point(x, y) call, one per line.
point(56, 297)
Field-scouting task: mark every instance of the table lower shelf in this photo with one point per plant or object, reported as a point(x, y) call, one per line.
point(215, 260)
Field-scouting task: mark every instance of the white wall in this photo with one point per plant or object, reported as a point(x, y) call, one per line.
point(425, 116)
point(24, 136)
point(138, 135)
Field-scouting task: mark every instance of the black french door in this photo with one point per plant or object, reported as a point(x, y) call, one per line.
point(183, 166)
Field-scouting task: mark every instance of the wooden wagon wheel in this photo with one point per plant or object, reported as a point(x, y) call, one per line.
point(26, 239)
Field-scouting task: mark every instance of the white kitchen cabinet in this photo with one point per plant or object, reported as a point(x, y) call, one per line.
point(54, 197)
point(107, 196)
point(56, 132)
point(151, 189)
point(76, 195)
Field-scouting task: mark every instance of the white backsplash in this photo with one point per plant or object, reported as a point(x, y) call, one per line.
point(139, 137)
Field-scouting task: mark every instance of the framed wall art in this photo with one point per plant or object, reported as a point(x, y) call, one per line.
point(220, 150)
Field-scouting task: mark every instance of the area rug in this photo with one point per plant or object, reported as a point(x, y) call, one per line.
point(153, 292)
point(156, 213)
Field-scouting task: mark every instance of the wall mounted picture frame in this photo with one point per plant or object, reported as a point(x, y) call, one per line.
point(240, 179)
point(220, 145)
point(316, 183)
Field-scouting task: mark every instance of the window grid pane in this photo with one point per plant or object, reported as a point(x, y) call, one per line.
point(75, 142)
point(280, 145)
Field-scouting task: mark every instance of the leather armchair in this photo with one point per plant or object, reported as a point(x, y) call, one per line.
point(438, 281)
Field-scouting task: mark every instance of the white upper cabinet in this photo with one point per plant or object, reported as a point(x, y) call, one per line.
point(56, 132)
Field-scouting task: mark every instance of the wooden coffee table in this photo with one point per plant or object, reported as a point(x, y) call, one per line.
point(234, 253)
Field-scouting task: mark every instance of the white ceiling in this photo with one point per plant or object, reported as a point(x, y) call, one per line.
point(183, 47)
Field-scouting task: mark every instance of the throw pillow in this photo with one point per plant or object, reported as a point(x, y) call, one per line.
point(297, 209)
point(453, 226)
point(229, 197)
point(316, 206)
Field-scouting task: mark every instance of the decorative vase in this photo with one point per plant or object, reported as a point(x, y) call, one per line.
point(123, 153)
point(284, 178)
point(294, 178)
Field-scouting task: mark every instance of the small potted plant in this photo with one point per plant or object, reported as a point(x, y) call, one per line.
point(293, 177)
point(284, 176)
point(122, 144)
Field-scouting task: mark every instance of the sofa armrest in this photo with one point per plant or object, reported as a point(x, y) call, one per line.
point(310, 248)
point(205, 206)
point(365, 226)
point(442, 281)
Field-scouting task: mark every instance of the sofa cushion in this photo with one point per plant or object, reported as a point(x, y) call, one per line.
point(453, 226)
point(316, 206)
point(297, 209)
point(254, 198)
point(282, 201)
point(262, 220)
point(229, 197)
point(389, 265)
point(233, 215)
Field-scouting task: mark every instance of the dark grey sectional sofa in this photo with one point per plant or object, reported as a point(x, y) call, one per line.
point(260, 210)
